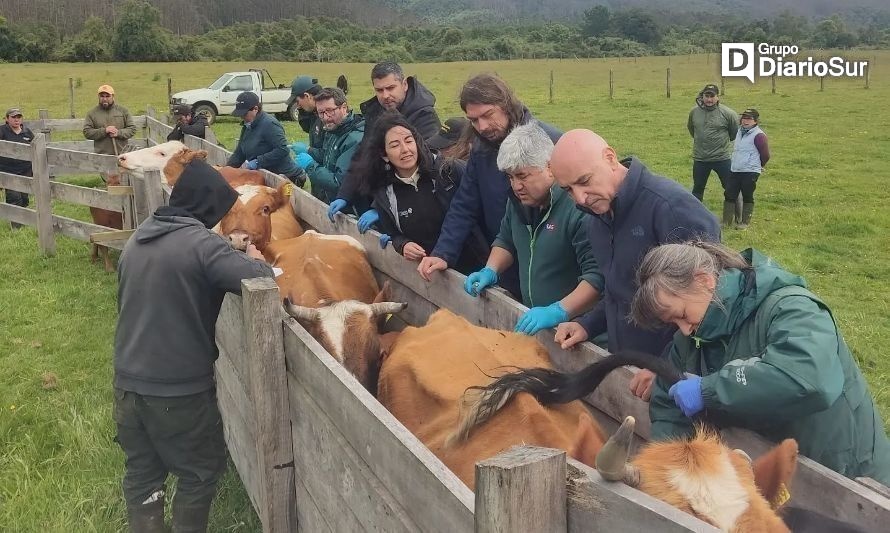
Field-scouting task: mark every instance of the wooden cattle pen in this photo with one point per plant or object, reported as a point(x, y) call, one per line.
point(317, 452)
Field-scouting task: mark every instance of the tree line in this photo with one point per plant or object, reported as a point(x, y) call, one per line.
point(138, 34)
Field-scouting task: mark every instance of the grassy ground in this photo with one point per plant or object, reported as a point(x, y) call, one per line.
point(821, 211)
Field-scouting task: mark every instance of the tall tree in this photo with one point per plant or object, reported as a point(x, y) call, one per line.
point(138, 35)
point(597, 21)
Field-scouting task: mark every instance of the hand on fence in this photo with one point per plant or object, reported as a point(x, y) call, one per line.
point(430, 264)
point(479, 280)
point(304, 160)
point(253, 164)
point(335, 207)
point(368, 219)
point(538, 318)
point(384, 240)
point(413, 251)
point(569, 334)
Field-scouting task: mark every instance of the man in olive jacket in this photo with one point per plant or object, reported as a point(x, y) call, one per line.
point(109, 124)
point(713, 128)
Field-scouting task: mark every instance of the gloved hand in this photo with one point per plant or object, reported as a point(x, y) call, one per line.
point(479, 280)
point(253, 164)
point(538, 318)
point(298, 148)
point(384, 240)
point(686, 394)
point(335, 207)
point(368, 219)
point(304, 160)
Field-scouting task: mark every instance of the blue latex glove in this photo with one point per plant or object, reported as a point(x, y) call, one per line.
point(479, 280)
point(687, 395)
point(253, 164)
point(384, 240)
point(304, 160)
point(538, 318)
point(368, 219)
point(298, 148)
point(335, 207)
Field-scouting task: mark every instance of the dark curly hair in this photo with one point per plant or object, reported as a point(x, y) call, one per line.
point(369, 166)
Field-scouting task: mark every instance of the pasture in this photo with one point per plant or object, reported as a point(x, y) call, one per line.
point(821, 211)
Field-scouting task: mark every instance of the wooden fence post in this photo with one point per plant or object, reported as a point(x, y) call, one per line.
point(71, 97)
point(43, 195)
point(722, 86)
point(551, 86)
point(611, 85)
point(773, 81)
point(264, 333)
point(821, 83)
point(867, 70)
point(43, 114)
point(169, 90)
point(128, 213)
point(668, 82)
point(522, 489)
point(154, 190)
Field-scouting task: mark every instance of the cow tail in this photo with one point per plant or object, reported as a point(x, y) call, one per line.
point(549, 386)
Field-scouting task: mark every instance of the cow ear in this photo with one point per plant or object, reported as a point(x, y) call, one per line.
point(589, 440)
point(387, 342)
point(774, 470)
point(282, 194)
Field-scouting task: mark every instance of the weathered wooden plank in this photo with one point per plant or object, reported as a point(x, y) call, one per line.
point(309, 518)
point(238, 427)
point(85, 162)
point(120, 190)
point(522, 489)
point(76, 124)
point(115, 235)
point(154, 194)
point(157, 130)
point(76, 194)
point(20, 215)
point(16, 182)
point(401, 462)
point(42, 195)
point(343, 487)
point(87, 146)
point(128, 212)
point(230, 339)
point(77, 229)
point(14, 150)
point(595, 504)
point(880, 488)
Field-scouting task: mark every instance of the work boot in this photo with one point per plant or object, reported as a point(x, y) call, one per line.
point(747, 211)
point(728, 213)
point(147, 517)
point(739, 208)
point(190, 518)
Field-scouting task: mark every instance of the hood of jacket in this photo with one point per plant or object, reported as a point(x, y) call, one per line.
point(201, 193)
point(416, 98)
point(741, 292)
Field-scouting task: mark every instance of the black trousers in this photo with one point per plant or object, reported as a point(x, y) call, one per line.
point(701, 170)
point(744, 182)
point(181, 435)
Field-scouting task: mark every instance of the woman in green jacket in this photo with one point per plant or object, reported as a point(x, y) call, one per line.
point(760, 352)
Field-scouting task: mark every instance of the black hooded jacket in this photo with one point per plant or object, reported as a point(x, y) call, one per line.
point(419, 109)
point(173, 275)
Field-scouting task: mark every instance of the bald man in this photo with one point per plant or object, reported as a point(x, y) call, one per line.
point(632, 211)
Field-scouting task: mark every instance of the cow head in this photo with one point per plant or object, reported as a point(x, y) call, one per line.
point(249, 220)
point(700, 476)
point(348, 331)
point(177, 162)
point(152, 157)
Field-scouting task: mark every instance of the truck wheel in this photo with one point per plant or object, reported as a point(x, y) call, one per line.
point(206, 110)
point(293, 112)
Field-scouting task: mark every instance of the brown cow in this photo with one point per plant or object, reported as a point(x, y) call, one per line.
point(328, 285)
point(109, 219)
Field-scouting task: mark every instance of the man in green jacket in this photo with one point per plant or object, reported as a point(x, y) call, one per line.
point(545, 234)
point(343, 133)
point(713, 128)
point(761, 352)
point(109, 124)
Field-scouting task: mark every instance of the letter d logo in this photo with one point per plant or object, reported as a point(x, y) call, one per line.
point(737, 60)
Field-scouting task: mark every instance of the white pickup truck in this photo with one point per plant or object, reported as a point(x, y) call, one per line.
point(219, 97)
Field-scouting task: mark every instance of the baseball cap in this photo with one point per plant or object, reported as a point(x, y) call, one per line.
point(106, 89)
point(750, 113)
point(302, 84)
point(182, 109)
point(245, 102)
point(449, 133)
point(13, 111)
point(711, 88)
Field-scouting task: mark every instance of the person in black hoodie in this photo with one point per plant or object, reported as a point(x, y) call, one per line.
point(173, 275)
point(187, 123)
point(411, 190)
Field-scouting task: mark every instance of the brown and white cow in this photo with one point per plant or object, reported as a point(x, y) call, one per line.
point(261, 215)
point(137, 161)
point(328, 286)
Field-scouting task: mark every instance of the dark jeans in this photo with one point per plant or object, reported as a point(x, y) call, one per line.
point(182, 435)
point(17, 198)
point(744, 182)
point(702, 169)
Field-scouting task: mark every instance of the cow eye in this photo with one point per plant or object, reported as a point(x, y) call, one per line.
point(162, 154)
point(266, 209)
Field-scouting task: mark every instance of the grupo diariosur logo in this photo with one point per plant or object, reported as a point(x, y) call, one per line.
point(740, 60)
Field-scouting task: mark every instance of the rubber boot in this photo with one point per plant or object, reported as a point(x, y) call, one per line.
point(190, 518)
point(747, 211)
point(728, 213)
point(147, 518)
point(739, 209)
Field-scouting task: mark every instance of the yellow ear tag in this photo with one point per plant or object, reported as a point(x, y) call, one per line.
point(289, 189)
point(782, 497)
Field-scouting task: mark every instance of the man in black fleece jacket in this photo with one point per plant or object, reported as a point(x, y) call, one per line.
point(173, 275)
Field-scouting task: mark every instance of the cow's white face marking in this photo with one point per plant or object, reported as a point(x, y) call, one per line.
point(246, 193)
point(333, 322)
point(152, 157)
point(342, 238)
point(719, 497)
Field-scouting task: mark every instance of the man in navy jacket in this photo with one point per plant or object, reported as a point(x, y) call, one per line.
point(481, 200)
point(632, 211)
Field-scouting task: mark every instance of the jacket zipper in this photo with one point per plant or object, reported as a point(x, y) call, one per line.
point(531, 258)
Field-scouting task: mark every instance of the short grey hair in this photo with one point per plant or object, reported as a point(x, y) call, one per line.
point(526, 146)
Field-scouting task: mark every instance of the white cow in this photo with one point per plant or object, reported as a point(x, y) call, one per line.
point(157, 157)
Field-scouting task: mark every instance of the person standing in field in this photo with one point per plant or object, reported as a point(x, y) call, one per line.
point(750, 154)
point(109, 124)
point(713, 127)
point(13, 130)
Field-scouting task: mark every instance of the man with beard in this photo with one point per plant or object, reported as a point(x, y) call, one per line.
point(713, 127)
point(493, 111)
point(109, 124)
point(343, 133)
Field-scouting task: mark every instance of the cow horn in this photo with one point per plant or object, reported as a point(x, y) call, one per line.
point(385, 308)
point(744, 454)
point(611, 461)
point(299, 312)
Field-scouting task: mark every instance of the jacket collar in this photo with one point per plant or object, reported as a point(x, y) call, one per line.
point(627, 191)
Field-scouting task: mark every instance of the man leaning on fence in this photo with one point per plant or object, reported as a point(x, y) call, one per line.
point(187, 123)
point(109, 124)
point(13, 130)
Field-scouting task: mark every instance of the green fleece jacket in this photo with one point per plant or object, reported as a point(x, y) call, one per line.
point(713, 130)
point(550, 248)
point(98, 119)
point(772, 360)
point(339, 145)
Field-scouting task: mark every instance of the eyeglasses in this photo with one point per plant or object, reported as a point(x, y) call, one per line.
point(328, 112)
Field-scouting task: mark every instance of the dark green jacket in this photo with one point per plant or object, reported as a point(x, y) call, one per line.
point(264, 140)
point(772, 360)
point(551, 249)
point(336, 154)
point(713, 131)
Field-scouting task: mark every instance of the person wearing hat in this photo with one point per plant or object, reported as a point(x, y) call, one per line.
point(109, 124)
point(448, 141)
point(713, 126)
point(186, 123)
point(749, 155)
point(262, 143)
point(303, 91)
point(13, 130)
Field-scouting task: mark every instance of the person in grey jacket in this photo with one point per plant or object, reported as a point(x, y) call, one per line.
point(173, 275)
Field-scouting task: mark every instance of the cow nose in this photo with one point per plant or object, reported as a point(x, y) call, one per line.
point(239, 240)
point(122, 158)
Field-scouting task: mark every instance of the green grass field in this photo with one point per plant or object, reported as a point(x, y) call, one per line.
point(821, 211)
